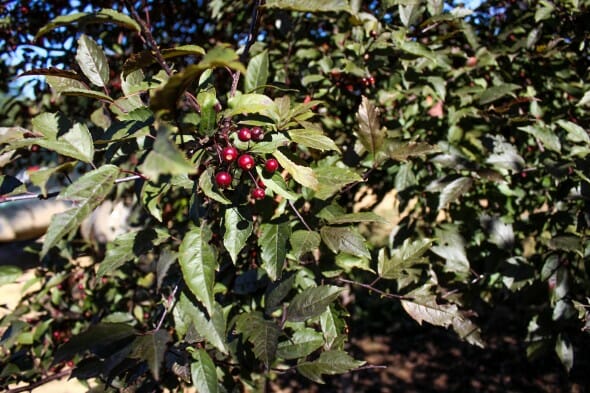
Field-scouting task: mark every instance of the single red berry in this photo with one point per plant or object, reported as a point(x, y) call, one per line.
point(257, 133)
point(229, 154)
point(70, 364)
point(244, 134)
point(271, 165)
point(246, 162)
point(223, 179)
point(258, 193)
point(56, 335)
point(261, 184)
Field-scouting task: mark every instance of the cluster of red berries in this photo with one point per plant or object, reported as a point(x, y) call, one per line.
point(245, 161)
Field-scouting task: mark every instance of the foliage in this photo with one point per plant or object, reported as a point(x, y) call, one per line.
point(439, 154)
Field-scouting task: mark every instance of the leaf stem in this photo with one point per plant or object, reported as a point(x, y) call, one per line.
point(300, 216)
point(372, 288)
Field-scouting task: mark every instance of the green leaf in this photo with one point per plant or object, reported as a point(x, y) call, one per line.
point(565, 351)
point(425, 308)
point(276, 184)
point(312, 302)
point(262, 333)
point(130, 246)
point(87, 192)
point(575, 133)
point(85, 92)
point(92, 61)
point(10, 185)
point(151, 347)
point(165, 159)
point(451, 247)
point(347, 240)
point(97, 337)
point(331, 179)
point(303, 343)
point(356, 217)
point(257, 72)
point(332, 325)
point(302, 175)
point(401, 151)
point(206, 184)
point(329, 363)
point(9, 274)
point(370, 133)
point(277, 292)
point(203, 373)
point(273, 244)
point(545, 135)
point(198, 262)
point(250, 103)
point(237, 231)
point(212, 330)
point(494, 93)
point(313, 138)
point(41, 177)
point(310, 5)
point(103, 16)
point(303, 241)
point(452, 191)
point(207, 100)
point(402, 261)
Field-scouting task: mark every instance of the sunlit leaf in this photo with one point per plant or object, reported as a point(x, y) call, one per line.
point(302, 174)
point(103, 16)
point(203, 372)
point(310, 5)
point(329, 363)
point(237, 231)
point(92, 61)
point(273, 243)
point(370, 133)
point(345, 239)
point(165, 159)
point(257, 72)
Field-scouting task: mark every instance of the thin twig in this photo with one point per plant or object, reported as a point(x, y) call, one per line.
point(371, 288)
point(300, 216)
point(167, 307)
point(42, 382)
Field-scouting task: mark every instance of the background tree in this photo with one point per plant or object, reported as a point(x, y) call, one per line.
point(434, 156)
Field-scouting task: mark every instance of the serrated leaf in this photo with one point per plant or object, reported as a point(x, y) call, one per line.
point(262, 333)
point(237, 231)
point(370, 133)
point(401, 151)
point(103, 16)
point(452, 191)
point(302, 343)
point(331, 325)
point(277, 292)
point(257, 72)
point(494, 93)
point(212, 329)
point(198, 262)
point(329, 363)
point(313, 139)
point(85, 92)
point(302, 174)
point(94, 339)
point(424, 308)
point(92, 61)
point(9, 274)
point(206, 185)
point(356, 217)
point(130, 246)
point(403, 260)
point(347, 240)
point(151, 347)
point(165, 159)
point(312, 302)
point(273, 244)
point(303, 241)
point(332, 179)
point(87, 193)
point(545, 135)
point(310, 5)
point(203, 372)
point(250, 103)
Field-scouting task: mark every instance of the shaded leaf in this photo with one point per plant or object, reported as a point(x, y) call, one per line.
point(206, 185)
point(402, 151)
point(151, 348)
point(494, 93)
point(332, 179)
point(262, 333)
point(303, 241)
point(403, 260)
point(103, 16)
point(329, 363)
point(198, 262)
point(87, 193)
point(9, 274)
point(302, 343)
point(312, 302)
point(277, 292)
point(356, 217)
point(207, 100)
point(203, 372)
point(453, 190)
point(165, 159)
point(347, 240)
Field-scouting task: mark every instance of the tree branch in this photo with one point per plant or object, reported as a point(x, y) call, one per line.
point(371, 288)
point(41, 382)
